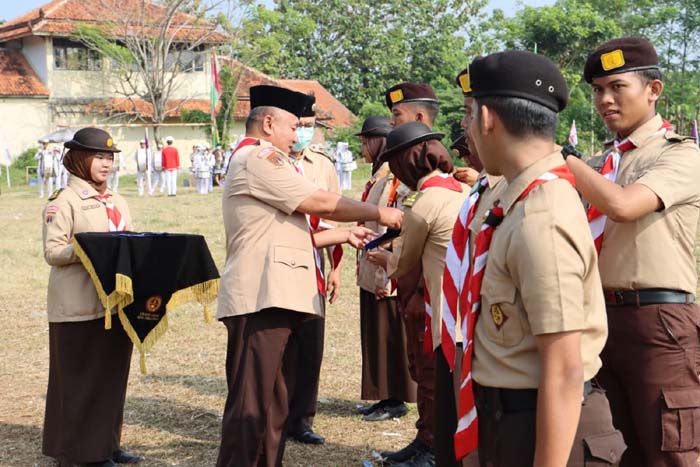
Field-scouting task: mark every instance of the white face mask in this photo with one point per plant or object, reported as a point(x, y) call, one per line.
point(304, 136)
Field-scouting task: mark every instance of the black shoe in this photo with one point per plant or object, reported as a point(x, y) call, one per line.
point(107, 463)
point(413, 449)
point(386, 413)
point(369, 408)
point(308, 437)
point(123, 457)
point(423, 459)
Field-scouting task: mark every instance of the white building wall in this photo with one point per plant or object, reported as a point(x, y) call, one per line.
point(22, 122)
point(34, 50)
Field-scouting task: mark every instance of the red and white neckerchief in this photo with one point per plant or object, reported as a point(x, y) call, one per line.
point(448, 182)
point(467, 435)
point(247, 141)
point(456, 267)
point(116, 221)
point(314, 223)
point(596, 219)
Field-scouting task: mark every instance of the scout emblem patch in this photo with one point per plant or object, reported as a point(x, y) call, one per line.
point(499, 318)
point(271, 156)
point(396, 96)
point(153, 303)
point(109, 142)
point(465, 82)
point(612, 60)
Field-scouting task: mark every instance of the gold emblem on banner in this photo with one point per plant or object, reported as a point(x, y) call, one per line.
point(612, 60)
point(153, 303)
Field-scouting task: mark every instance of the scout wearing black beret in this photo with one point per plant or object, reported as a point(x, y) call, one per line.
point(93, 140)
point(517, 73)
point(620, 56)
point(282, 98)
point(375, 126)
point(410, 92)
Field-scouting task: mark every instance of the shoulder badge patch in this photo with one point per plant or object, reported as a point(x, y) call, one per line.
point(50, 213)
point(411, 199)
point(55, 194)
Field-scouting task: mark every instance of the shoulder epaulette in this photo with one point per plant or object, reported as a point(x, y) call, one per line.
point(411, 199)
point(675, 137)
point(55, 194)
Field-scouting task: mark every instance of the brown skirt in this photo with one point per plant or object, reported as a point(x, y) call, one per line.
point(88, 374)
point(385, 372)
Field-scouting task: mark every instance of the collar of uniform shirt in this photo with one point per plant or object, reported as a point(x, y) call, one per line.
point(641, 134)
point(527, 176)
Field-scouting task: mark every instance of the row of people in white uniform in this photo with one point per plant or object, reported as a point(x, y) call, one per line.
point(207, 167)
point(51, 174)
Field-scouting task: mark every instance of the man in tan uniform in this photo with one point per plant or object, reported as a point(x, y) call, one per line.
point(645, 201)
point(316, 167)
point(533, 304)
point(271, 280)
point(414, 102)
point(422, 163)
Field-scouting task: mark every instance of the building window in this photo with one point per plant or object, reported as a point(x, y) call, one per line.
point(70, 55)
point(192, 61)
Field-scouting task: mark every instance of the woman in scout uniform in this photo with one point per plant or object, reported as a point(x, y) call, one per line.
point(385, 374)
point(88, 366)
point(417, 158)
point(645, 205)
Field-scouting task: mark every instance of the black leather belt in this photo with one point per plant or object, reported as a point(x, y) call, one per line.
point(646, 297)
point(521, 400)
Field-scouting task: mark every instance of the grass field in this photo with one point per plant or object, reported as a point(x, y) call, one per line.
point(172, 414)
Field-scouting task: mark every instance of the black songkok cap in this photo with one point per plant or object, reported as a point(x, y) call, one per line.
point(517, 73)
point(620, 56)
point(463, 80)
point(282, 98)
point(310, 109)
point(375, 125)
point(92, 139)
point(410, 92)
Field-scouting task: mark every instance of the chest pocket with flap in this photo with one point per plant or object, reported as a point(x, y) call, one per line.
point(292, 257)
point(503, 320)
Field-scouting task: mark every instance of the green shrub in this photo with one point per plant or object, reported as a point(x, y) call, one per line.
point(25, 159)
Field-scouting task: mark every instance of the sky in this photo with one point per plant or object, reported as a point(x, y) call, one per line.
point(10, 9)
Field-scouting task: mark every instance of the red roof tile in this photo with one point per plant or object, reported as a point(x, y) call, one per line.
point(144, 109)
point(17, 77)
point(330, 110)
point(60, 18)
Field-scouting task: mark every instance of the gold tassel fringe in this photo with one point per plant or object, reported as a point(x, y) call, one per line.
point(203, 293)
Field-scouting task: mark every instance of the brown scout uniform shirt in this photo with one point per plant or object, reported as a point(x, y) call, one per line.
point(541, 277)
point(71, 294)
point(655, 251)
point(371, 277)
point(425, 234)
point(269, 255)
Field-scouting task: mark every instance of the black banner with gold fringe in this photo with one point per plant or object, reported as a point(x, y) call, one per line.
point(145, 275)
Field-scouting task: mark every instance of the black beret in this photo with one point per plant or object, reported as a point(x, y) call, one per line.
point(620, 56)
point(92, 139)
point(410, 92)
point(282, 98)
point(463, 80)
point(375, 125)
point(407, 135)
point(460, 144)
point(310, 109)
point(517, 73)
